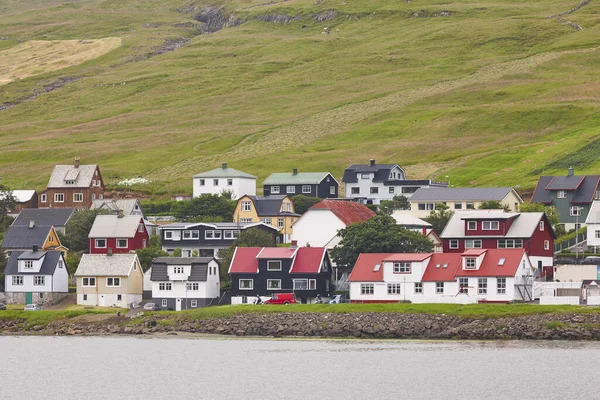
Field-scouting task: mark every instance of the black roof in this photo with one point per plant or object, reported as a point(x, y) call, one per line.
point(584, 187)
point(382, 171)
point(23, 237)
point(44, 216)
point(48, 265)
point(268, 206)
point(198, 273)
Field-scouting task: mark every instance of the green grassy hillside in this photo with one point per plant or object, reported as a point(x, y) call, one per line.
point(482, 92)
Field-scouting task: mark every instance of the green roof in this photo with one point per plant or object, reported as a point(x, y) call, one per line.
point(224, 173)
point(300, 178)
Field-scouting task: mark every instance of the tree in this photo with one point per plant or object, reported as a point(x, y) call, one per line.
point(399, 202)
point(72, 260)
point(151, 252)
point(248, 238)
point(439, 217)
point(303, 203)
point(550, 211)
point(380, 234)
point(177, 252)
point(7, 203)
point(214, 207)
point(3, 262)
point(493, 205)
point(78, 228)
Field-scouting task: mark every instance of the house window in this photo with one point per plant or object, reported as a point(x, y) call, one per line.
point(457, 206)
point(510, 243)
point(312, 284)
point(207, 252)
point(168, 234)
point(393, 288)
point(290, 189)
point(541, 225)
point(163, 303)
point(273, 284)
point(355, 190)
point(192, 286)
point(17, 280)
point(501, 285)
point(191, 234)
point(100, 243)
point(286, 206)
point(194, 303)
point(274, 189)
point(266, 221)
point(273, 265)
point(300, 284)
point(453, 243)
point(114, 282)
point(391, 190)
point(332, 190)
point(463, 285)
point(598, 234)
point(246, 284)
point(77, 197)
point(165, 286)
point(439, 287)
point(216, 235)
point(85, 297)
point(471, 225)
point(60, 264)
point(410, 189)
point(141, 227)
point(215, 182)
point(473, 243)
point(482, 286)
point(426, 206)
point(575, 211)
point(201, 182)
point(546, 245)
point(122, 243)
point(245, 220)
point(374, 190)
point(490, 225)
point(43, 198)
point(229, 182)
point(367, 288)
point(280, 223)
point(178, 270)
point(561, 194)
point(59, 197)
point(245, 206)
point(402, 268)
point(88, 282)
point(364, 176)
point(28, 264)
point(470, 263)
point(306, 189)
point(231, 234)
point(418, 287)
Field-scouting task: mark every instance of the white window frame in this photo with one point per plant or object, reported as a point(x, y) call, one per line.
point(365, 176)
point(113, 281)
point(275, 190)
point(178, 269)
point(482, 285)
point(44, 198)
point(290, 189)
point(490, 225)
point(402, 268)
point(391, 190)
point(98, 246)
point(191, 235)
point(164, 303)
point(575, 211)
point(473, 243)
point(367, 289)
point(215, 182)
point(245, 220)
point(194, 303)
point(546, 245)
point(192, 286)
point(418, 287)
point(598, 234)
point(541, 225)
point(471, 227)
point(141, 227)
point(439, 288)
point(510, 243)
point(453, 244)
point(251, 287)
point(393, 288)
point(246, 206)
point(201, 182)
point(17, 280)
point(39, 280)
point(332, 190)
point(280, 222)
point(374, 190)
point(58, 196)
point(276, 287)
point(126, 243)
point(77, 197)
point(88, 281)
point(300, 284)
point(165, 286)
point(463, 285)
point(500, 285)
point(266, 220)
point(470, 263)
point(306, 189)
point(28, 264)
point(214, 234)
point(277, 264)
point(355, 190)
point(229, 182)
point(561, 194)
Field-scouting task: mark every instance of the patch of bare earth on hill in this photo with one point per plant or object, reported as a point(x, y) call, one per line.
point(57, 84)
point(341, 119)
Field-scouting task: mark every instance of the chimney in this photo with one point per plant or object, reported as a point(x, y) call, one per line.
point(371, 162)
point(31, 224)
point(76, 162)
point(35, 248)
point(571, 171)
point(224, 165)
point(295, 171)
point(109, 251)
point(120, 213)
point(294, 244)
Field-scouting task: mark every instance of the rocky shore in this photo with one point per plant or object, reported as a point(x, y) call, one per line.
point(348, 325)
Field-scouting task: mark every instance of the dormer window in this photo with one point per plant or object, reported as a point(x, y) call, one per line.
point(70, 182)
point(561, 194)
point(178, 270)
point(471, 225)
point(490, 225)
point(364, 176)
point(28, 264)
point(402, 268)
point(470, 263)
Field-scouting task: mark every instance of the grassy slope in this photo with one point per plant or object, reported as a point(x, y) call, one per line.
point(488, 95)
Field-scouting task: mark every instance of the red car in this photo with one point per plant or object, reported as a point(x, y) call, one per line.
point(282, 298)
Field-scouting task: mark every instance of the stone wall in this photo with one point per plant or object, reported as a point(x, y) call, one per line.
point(46, 299)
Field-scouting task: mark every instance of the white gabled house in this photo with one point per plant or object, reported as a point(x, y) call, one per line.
point(223, 179)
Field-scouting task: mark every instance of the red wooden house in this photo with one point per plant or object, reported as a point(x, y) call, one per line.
point(120, 233)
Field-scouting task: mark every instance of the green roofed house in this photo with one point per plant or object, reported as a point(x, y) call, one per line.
point(223, 179)
point(311, 184)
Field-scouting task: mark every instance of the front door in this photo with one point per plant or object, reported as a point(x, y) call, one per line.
point(178, 305)
point(28, 298)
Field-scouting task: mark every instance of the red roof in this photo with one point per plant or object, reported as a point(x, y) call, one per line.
point(277, 252)
point(408, 256)
point(490, 265)
point(364, 268)
point(244, 260)
point(308, 260)
point(442, 267)
point(474, 252)
point(348, 212)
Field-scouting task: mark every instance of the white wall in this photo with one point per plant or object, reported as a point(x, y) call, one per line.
point(591, 234)
point(61, 279)
point(147, 283)
point(28, 285)
point(551, 300)
point(317, 227)
point(239, 187)
point(546, 261)
point(575, 272)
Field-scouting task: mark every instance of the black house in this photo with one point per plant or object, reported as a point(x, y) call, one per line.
point(311, 184)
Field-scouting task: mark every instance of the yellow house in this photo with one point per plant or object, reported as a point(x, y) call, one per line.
point(24, 238)
point(109, 280)
point(276, 211)
point(52, 242)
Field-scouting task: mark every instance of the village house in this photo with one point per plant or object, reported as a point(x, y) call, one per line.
point(320, 224)
point(73, 186)
point(219, 180)
point(495, 229)
point(23, 238)
point(485, 275)
point(311, 184)
point(55, 217)
point(415, 224)
point(571, 195)
point(182, 283)
point(129, 207)
point(424, 200)
point(121, 233)
point(264, 271)
point(205, 239)
point(109, 280)
point(593, 225)
point(371, 183)
point(274, 210)
point(23, 199)
point(36, 276)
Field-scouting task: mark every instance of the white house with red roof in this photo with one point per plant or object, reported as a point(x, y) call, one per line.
point(305, 271)
point(476, 275)
point(320, 224)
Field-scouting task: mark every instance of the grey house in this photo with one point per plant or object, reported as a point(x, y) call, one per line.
point(310, 184)
point(181, 283)
point(56, 217)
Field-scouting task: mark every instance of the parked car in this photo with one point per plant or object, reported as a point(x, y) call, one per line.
point(337, 299)
point(151, 307)
point(2, 306)
point(592, 260)
point(33, 307)
point(282, 298)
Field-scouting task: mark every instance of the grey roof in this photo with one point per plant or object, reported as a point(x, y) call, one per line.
point(199, 267)
point(32, 255)
point(127, 205)
point(105, 265)
point(565, 182)
point(21, 196)
point(217, 225)
point(224, 173)
point(523, 226)
point(300, 178)
point(48, 265)
point(460, 194)
point(23, 237)
point(594, 213)
point(268, 206)
point(111, 226)
point(82, 176)
point(381, 171)
point(584, 186)
point(56, 217)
